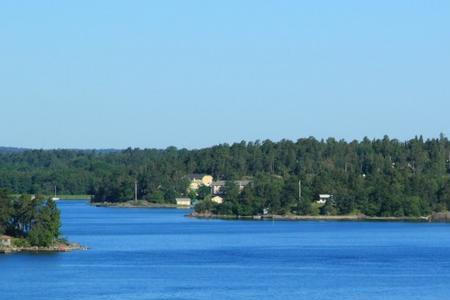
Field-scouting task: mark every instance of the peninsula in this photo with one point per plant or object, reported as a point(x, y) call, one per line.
point(290, 217)
point(31, 224)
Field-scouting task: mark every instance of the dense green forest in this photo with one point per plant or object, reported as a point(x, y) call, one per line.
point(382, 177)
point(33, 220)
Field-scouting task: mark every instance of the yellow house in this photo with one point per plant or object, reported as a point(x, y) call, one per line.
point(198, 180)
point(183, 202)
point(194, 186)
point(217, 199)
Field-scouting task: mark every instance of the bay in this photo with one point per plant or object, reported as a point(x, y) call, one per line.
point(161, 254)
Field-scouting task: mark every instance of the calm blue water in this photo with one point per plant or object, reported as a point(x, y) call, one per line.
point(160, 254)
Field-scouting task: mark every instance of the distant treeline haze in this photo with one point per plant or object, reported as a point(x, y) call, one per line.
point(383, 177)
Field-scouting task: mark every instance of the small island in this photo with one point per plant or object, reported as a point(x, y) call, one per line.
point(31, 224)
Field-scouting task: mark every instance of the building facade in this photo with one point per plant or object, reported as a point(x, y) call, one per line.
point(218, 187)
point(323, 198)
point(183, 202)
point(217, 199)
point(5, 241)
point(198, 180)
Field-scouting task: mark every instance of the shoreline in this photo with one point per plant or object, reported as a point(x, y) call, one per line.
point(311, 218)
point(132, 204)
point(436, 217)
point(51, 249)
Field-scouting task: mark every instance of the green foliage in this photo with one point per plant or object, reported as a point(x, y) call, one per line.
point(204, 206)
point(32, 219)
point(305, 207)
point(203, 192)
point(192, 195)
point(5, 210)
point(329, 208)
point(46, 225)
point(40, 236)
point(381, 177)
point(21, 242)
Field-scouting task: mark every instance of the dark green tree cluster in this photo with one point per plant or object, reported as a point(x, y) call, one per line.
point(34, 219)
point(266, 194)
point(382, 177)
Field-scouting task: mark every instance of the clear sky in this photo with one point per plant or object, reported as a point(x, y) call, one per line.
point(113, 74)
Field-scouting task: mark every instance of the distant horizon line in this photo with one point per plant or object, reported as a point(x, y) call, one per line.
point(112, 149)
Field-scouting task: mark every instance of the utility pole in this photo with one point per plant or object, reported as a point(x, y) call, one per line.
point(135, 191)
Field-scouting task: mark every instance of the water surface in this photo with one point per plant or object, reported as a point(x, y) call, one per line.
point(160, 254)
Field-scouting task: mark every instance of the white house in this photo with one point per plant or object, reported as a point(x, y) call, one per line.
point(5, 241)
point(183, 201)
point(323, 198)
point(218, 187)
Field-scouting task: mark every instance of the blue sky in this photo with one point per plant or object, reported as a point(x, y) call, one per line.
point(113, 74)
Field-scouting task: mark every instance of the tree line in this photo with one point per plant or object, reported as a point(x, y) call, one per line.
point(379, 177)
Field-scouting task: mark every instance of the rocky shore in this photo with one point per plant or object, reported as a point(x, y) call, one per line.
point(59, 247)
point(440, 217)
point(360, 217)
